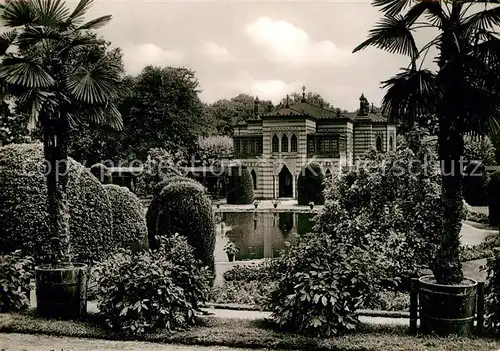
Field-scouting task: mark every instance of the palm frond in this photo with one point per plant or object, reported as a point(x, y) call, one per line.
point(104, 115)
point(36, 100)
point(391, 34)
point(392, 7)
point(7, 39)
point(432, 9)
point(96, 23)
point(33, 35)
point(96, 84)
point(25, 73)
point(410, 94)
point(51, 13)
point(78, 43)
point(17, 13)
point(80, 10)
point(487, 19)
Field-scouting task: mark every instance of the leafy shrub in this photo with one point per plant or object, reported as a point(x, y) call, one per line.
point(23, 207)
point(479, 149)
point(161, 289)
point(377, 224)
point(323, 282)
point(16, 273)
point(102, 173)
point(311, 185)
point(240, 273)
point(478, 217)
point(492, 292)
point(214, 148)
point(476, 252)
point(129, 222)
point(494, 199)
point(154, 206)
point(475, 184)
point(239, 186)
point(186, 209)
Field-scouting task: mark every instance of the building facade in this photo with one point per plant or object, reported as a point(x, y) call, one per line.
point(276, 145)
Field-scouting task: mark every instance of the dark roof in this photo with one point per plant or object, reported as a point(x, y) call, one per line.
point(307, 109)
point(302, 109)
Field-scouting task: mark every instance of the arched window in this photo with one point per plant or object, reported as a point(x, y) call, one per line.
point(276, 143)
point(293, 143)
point(391, 143)
point(379, 143)
point(254, 179)
point(284, 143)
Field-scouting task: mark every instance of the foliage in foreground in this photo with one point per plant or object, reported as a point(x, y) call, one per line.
point(480, 149)
point(16, 272)
point(323, 282)
point(102, 173)
point(150, 290)
point(492, 292)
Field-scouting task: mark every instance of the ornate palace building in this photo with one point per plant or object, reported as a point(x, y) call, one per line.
point(275, 146)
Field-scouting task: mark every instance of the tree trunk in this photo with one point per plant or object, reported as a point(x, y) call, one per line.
point(55, 149)
point(447, 267)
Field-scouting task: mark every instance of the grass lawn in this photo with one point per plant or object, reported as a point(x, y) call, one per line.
point(251, 334)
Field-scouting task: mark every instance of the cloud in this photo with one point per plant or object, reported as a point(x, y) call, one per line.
point(216, 52)
point(244, 82)
point(286, 43)
point(135, 58)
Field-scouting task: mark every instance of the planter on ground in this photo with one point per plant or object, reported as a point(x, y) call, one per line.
point(230, 257)
point(447, 309)
point(61, 291)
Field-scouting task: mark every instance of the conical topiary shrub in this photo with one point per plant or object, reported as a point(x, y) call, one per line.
point(185, 208)
point(239, 186)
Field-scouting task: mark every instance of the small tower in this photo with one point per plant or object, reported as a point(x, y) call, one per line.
point(364, 106)
point(287, 100)
point(256, 107)
point(303, 93)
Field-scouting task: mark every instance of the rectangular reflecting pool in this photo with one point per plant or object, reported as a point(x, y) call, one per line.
point(259, 235)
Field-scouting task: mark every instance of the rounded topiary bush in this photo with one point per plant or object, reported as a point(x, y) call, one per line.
point(102, 173)
point(311, 185)
point(129, 222)
point(494, 199)
point(23, 207)
point(186, 209)
point(476, 180)
point(152, 213)
point(239, 186)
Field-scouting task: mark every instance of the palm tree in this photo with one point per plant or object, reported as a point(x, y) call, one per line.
point(57, 68)
point(463, 91)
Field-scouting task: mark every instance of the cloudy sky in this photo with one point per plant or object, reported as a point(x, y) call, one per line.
point(261, 48)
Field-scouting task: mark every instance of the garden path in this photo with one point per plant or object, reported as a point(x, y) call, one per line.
point(11, 342)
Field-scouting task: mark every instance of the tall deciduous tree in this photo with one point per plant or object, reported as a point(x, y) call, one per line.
point(47, 68)
point(463, 92)
point(164, 112)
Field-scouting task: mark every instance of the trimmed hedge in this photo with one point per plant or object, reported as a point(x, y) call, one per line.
point(475, 182)
point(153, 209)
point(311, 185)
point(239, 186)
point(186, 209)
point(494, 199)
point(23, 207)
point(102, 173)
point(129, 222)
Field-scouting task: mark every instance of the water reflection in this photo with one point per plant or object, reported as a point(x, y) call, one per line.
point(259, 235)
